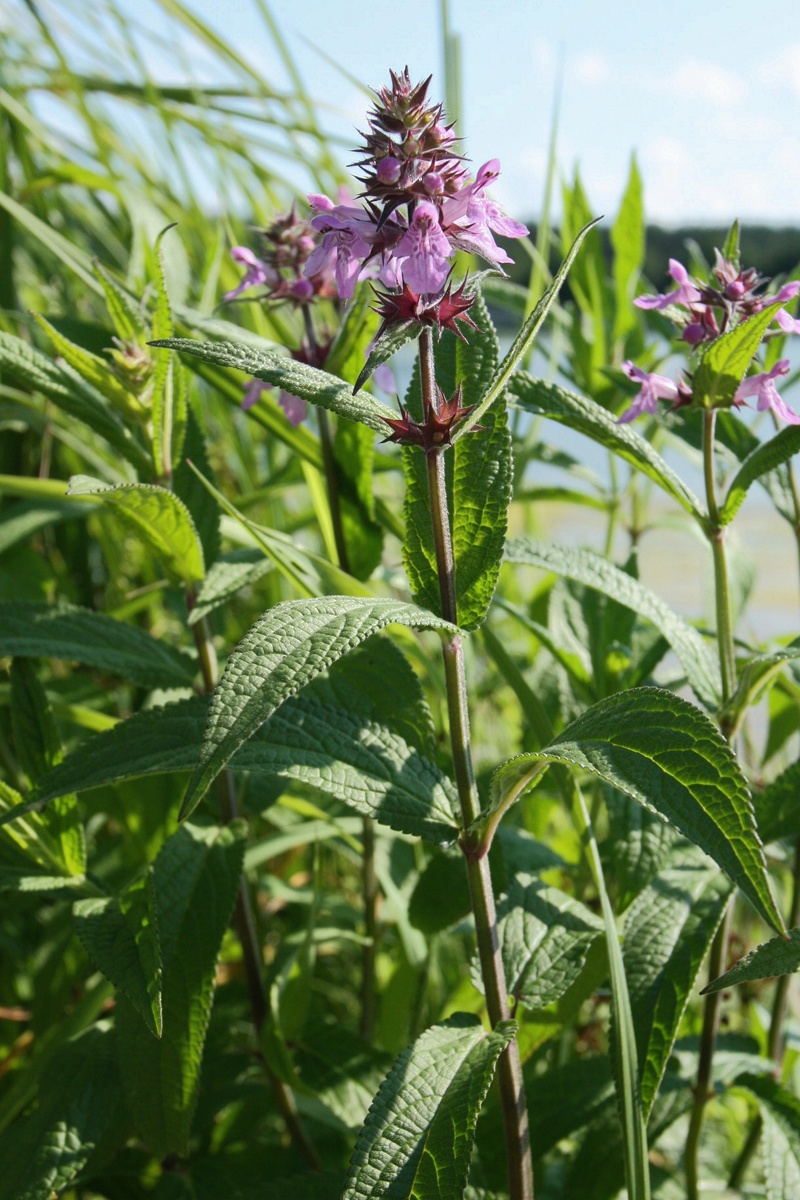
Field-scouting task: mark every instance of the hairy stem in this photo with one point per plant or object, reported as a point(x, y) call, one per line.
point(244, 921)
point(717, 958)
point(509, 1068)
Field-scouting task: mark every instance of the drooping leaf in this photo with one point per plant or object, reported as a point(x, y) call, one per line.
point(545, 937)
point(318, 387)
point(596, 572)
point(195, 882)
point(80, 635)
point(780, 1111)
point(665, 754)
point(120, 935)
point(226, 577)
point(725, 362)
point(478, 474)
point(284, 650)
point(589, 418)
point(417, 1137)
point(668, 930)
point(25, 366)
point(157, 517)
point(79, 1101)
point(763, 459)
point(779, 956)
point(332, 737)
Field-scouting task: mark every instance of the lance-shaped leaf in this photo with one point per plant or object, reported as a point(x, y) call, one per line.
point(95, 371)
point(545, 937)
point(589, 418)
point(79, 1101)
point(121, 938)
point(23, 365)
point(195, 881)
point(726, 360)
point(157, 517)
point(92, 638)
point(765, 458)
point(756, 675)
point(332, 737)
point(285, 649)
point(227, 577)
point(668, 930)
point(668, 756)
point(418, 1134)
point(780, 1111)
point(524, 339)
point(779, 956)
point(700, 665)
point(318, 387)
point(777, 810)
point(395, 337)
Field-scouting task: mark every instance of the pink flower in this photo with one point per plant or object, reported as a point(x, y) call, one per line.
point(258, 272)
point(763, 386)
point(348, 233)
point(787, 323)
point(686, 293)
point(470, 217)
point(423, 251)
point(654, 388)
point(294, 407)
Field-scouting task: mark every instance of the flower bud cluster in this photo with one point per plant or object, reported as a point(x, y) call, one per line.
point(280, 268)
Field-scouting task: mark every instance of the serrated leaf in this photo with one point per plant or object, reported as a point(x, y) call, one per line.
point(668, 756)
point(23, 365)
point(125, 314)
point(777, 806)
point(80, 635)
point(765, 458)
point(724, 364)
point(79, 1101)
point(756, 675)
point(225, 578)
point(668, 930)
point(636, 848)
point(195, 880)
point(332, 737)
point(395, 337)
point(779, 956)
point(780, 1110)
point(589, 418)
point(417, 1137)
point(318, 387)
point(157, 517)
point(545, 937)
point(285, 649)
point(94, 370)
point(524, 340)
point(593, 571)
point(478, 473)
point(168, 397)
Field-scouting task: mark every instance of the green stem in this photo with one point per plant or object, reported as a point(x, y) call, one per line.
point(715, 533)
point(244, 920)
point(509, 1067)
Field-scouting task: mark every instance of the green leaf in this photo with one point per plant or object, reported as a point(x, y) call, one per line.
point(346, 355)
point(26, 367)
point(668, 930)
point(730, 249)
point(779, 956)
point(478, 473)
point(636, 848)
point(587, 417)
point(665, 754)
point(777, 812)
point(203, 508)
point(628, 241)
point(766, 457)
point(755, 676)
point(36, 852)
point(417, 1137)
point(95, 371)
point(79, 1101)
point(395, 337)
point(122, 309)
point(195, 881)
point(168, 400)
point(332, 737)
point(121, 937)
point(354, 452)
point(80, 635)
point(284, 650)
point(157, 517)
point(590, 569)
point(780, 1110)
point(225, 578)
point(501, 378)
point(724, 364)
point(318, 387)
point(545, 937)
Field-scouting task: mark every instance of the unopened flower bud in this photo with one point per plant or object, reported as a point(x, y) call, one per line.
point(302, 289)
point(433, 183)
point(389, 169)
point(734, 290)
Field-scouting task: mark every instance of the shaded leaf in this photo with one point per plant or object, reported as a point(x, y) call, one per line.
point(765, 458)
point(779, 956)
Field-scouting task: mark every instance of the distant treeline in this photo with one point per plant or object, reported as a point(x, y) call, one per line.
point(771, 251)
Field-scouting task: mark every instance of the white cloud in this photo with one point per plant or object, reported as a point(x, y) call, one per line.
point(590, 69)
point(782, 70)
point(705, 83)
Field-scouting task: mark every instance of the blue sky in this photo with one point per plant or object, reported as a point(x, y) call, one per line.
point(708, 95)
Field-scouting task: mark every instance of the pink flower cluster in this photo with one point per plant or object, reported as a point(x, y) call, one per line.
point(416, 251)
